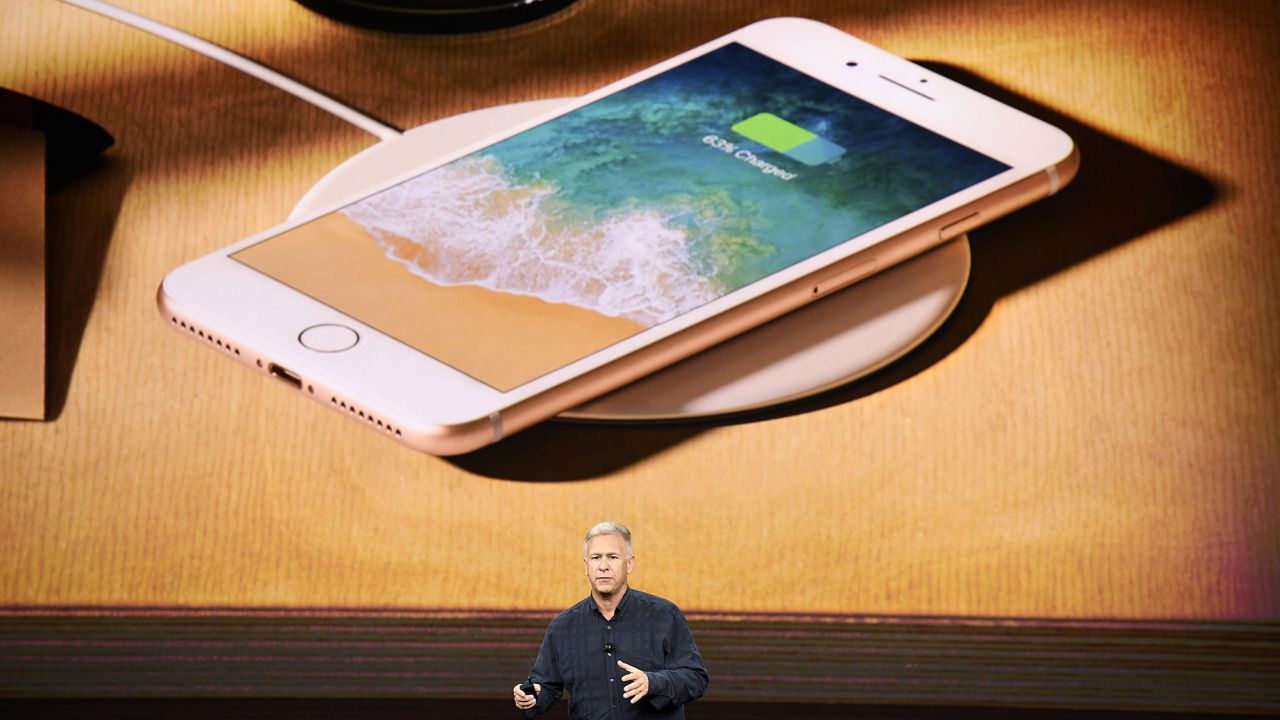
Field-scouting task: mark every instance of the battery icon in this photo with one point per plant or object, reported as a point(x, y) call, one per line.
point(788, 138)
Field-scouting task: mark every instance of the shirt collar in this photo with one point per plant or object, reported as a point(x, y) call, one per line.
point(626, 600)
point(622, 605)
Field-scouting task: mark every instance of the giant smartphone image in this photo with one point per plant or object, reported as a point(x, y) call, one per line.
point(651, 219)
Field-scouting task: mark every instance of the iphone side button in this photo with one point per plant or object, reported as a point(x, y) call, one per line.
point(844, 277)
point(963, 225)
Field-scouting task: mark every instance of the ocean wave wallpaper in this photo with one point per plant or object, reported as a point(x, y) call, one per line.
point(625, 208)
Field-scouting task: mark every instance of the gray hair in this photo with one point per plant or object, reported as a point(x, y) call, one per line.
point(608, 527)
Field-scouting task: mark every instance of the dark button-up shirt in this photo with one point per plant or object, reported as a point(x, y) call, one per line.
point(581, 650)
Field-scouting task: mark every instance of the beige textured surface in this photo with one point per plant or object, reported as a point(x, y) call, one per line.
point(1096, 434)
point(21, 272)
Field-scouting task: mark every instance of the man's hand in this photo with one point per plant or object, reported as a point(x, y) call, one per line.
point(637, 683)
point(524, 700)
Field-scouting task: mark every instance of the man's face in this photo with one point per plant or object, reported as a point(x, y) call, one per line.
point(608, 564)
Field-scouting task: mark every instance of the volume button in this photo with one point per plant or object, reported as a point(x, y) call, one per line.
point(963, 225)
point(844, 277)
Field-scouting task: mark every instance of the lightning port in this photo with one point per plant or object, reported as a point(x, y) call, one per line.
point(286, 375)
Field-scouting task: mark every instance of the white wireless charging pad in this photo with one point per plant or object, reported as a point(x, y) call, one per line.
point(821, 346)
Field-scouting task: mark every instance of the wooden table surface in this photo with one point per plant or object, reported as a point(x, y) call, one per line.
point(1095, 434)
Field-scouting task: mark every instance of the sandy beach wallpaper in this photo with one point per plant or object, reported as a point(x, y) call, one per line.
point(470, 327)
point(623, 214)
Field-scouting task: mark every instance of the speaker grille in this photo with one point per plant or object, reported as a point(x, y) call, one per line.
point(358, 414)
point(208, 337)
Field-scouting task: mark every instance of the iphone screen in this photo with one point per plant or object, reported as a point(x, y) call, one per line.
point(555, 243)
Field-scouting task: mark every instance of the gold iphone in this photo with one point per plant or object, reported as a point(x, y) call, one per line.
point(523, 275)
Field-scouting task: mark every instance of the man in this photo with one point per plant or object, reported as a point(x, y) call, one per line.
point(620, 653)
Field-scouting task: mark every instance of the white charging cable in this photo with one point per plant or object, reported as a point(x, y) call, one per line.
point(241, 63)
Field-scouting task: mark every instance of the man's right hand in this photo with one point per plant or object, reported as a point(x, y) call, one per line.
point(524, 700)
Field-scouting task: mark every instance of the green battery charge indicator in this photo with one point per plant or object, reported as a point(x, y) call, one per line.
point(788, 138)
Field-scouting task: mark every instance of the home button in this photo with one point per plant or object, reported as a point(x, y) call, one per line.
point(329, 338)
